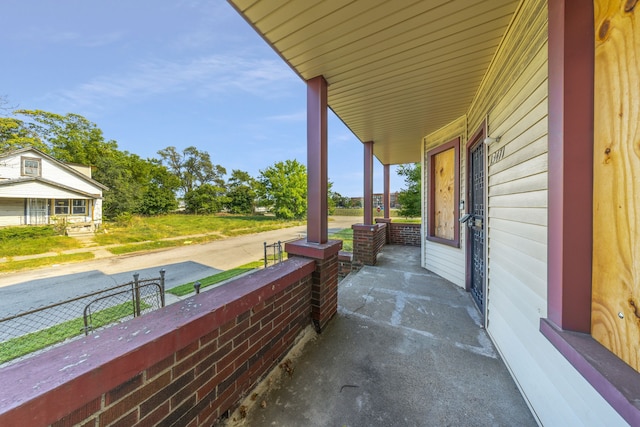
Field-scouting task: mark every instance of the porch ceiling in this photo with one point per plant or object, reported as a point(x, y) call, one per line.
point(397, 70)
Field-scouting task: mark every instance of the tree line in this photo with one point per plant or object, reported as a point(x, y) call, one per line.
point(154, 186)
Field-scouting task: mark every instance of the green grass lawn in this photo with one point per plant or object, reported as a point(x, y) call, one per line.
point(346, 235)
point(17, 241)
point(11, 265)
point(187, 288)
point(141, 229)
point(25, 344)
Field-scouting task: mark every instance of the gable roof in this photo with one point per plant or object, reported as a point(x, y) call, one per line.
point(62, 164)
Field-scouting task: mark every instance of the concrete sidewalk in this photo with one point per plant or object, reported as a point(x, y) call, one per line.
point(406, 349)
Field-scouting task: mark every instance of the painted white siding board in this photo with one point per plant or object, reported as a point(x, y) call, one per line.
point(533, 105)
point(523, 185)
point(532, 248)
point(521, 265)
point(445, 263)
point(536, 216)
point(532, 199)
point(516, 301)
point(36, 190)
point(537, 233)
point(529, 84)
point(526, 167)
point(560, 397)
point(11, 211)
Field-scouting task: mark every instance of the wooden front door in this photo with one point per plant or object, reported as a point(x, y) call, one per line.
point(475, 225)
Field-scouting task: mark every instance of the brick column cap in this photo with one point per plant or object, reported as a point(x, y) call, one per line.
point(313, 250)
point(366, 227)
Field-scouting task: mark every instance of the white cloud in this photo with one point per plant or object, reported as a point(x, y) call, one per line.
point(201, 76)
point(299, 116)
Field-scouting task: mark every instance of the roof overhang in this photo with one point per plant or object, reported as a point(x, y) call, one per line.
point(397, 70)
point(37, 187)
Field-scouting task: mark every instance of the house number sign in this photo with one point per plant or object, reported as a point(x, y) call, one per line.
point(496, 156)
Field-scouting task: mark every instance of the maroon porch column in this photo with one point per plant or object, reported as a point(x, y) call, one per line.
point(387, 196)
point(571, 64)
point(324, 284)
point(368, 183)
point(317, 160)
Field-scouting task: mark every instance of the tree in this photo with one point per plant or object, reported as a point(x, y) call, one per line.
point(206, 199)
point(160, 195)
point(14, 133)
point(241, 193)
point(192, 167)
point(410, 198)
point(70, 138)
point(283, 186)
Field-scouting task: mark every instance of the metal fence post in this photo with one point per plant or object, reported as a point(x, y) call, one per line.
point(265, 254)
point(136, 297)
point(162, 272)
point(279, 251)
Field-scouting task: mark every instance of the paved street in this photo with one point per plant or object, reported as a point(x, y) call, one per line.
point(29, 289)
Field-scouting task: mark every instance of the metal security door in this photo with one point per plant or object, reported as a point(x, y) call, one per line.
point(476, 224)
point(37, 211)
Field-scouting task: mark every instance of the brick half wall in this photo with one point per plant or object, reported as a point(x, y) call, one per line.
point(404, 234)
point(186, 364)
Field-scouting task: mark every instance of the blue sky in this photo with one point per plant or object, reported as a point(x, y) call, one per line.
point(152, 74)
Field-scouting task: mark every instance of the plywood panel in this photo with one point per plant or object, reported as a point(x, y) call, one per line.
point(615, 320)
point(444, 186)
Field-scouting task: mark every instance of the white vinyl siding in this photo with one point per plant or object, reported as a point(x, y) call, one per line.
point(11, 212)
point(513, 99)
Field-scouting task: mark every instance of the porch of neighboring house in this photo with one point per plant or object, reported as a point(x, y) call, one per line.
point(406, 347)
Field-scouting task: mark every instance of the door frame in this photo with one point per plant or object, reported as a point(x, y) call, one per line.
point(477, 137)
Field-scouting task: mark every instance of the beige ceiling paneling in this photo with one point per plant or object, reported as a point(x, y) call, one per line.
point(397, 70)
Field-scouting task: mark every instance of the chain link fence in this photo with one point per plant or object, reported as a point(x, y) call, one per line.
point(33, 331)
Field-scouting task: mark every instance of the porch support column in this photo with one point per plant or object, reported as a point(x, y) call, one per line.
point(571, 71)
point(368, 183)
point(317, 160)
point(386, 202)
point(324, 282)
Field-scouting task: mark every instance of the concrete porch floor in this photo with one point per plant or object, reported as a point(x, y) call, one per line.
point(405, 349)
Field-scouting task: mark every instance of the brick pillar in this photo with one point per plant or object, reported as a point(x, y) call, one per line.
point(324, 285)
point(368, 241)
point(388, 222)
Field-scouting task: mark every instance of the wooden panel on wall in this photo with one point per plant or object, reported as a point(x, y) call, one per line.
point(444, 186)
point(615, 320)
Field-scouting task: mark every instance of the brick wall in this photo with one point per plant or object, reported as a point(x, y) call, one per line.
point(186, 364)
point(344, 264)
point(368, 241)
point(404, 234)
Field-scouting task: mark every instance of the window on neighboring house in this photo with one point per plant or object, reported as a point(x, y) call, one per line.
point(61, 207)
point(31, 166)
point(80, 207)
point(444, 193)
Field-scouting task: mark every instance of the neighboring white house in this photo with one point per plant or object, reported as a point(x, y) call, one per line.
point(37, 189)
